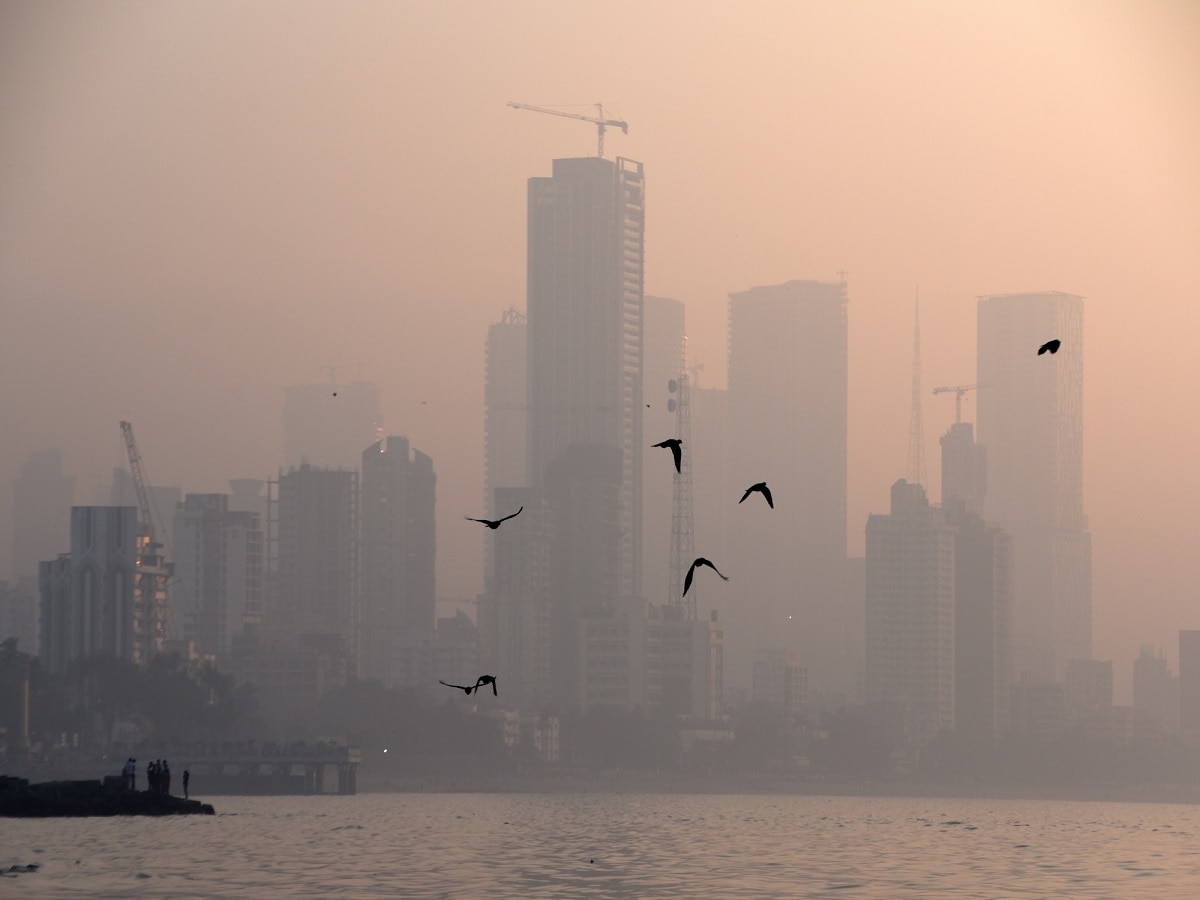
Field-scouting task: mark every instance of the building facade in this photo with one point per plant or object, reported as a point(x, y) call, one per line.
point(399, 555)
point(585, 273)
point(506, 416)
point(1031, 420)
point(788, 409)
point(910, 605)
point(42, 496)
point(218, 589)
point(88, 605)
point(314, 599)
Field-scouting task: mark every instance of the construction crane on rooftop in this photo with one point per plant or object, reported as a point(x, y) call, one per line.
point(959, 390)
point(602, 124)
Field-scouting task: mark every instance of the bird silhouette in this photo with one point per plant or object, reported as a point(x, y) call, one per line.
point(700, 561)
point(1051, 346)
point(481, 681)
point(493, 523)
point(762, 488)
point(674, 444)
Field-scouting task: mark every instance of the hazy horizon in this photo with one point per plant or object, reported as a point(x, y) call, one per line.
point(201, 203)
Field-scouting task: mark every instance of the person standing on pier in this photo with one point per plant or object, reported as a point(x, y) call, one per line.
point(187, 776)
point(165, 775)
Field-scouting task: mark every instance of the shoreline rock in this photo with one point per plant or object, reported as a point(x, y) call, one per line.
point(20, 799)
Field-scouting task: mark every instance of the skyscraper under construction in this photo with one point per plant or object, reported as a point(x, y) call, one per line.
point(585, 352)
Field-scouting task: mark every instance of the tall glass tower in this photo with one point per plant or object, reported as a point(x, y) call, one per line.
point(1031, 421)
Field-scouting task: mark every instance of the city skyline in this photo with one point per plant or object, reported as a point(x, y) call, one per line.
point(243, 242)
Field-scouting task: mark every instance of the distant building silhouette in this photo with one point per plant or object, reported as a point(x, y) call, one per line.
point(506, 416)
point(1189, 685)
point(983, 662)
point(327, 425)
point(398, 552)
point(910, 606)
point(585, 350)
point(516, 614)
point(42, 496)
point(19, 614)
point(964, 468)
point(314, 601)
point(1088, 692)
point(787, 409)
point(1037, 710)
point(664, 361)
point(88, 605)
point(1155, 693)
point(1030, 419)
point(218, 590)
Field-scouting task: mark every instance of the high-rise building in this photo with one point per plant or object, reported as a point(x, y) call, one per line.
point(788, 408)
point(983, 668)
point(42, 496)
point(964, 468)
point(218, 590)
point(1088, 692)
point(1030, 419)
point(584, 303)
point(506, 416)
point(88, 604)
point(327, 425)
point(314, 600)
point(1189, 685)
point(585, 351)
point(398, 550)
point(1155, 692)
point(910, 613)
point(516, 613)
point(19, 614)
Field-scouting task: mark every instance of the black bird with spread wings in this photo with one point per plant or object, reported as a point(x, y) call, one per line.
point(700, 561)
point(674, 444)
point(494, 523)
point(482, 681)
point(1050, 347)
point(762, 488)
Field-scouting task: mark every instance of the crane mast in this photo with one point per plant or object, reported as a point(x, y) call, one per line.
point(139, 481)
point(150, 607)
point(602, 124)
point(959, 391)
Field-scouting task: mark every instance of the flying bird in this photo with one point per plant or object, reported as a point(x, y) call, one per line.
point(762, 488)
point(674, 444)
point(1052, 346)
point(700, 561)
point(493, 523)
point(481, 681)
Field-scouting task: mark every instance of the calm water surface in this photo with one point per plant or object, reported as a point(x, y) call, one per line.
point(616, 845)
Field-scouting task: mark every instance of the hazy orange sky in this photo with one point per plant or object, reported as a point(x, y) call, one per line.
point(201, 202)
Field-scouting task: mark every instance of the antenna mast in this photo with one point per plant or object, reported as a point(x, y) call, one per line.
point(916, 427)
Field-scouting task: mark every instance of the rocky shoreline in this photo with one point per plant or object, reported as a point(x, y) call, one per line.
point(110, 797)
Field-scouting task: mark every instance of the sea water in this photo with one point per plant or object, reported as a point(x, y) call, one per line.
point(615, 845)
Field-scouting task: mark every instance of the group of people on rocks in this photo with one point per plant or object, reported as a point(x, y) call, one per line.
point(158, 776)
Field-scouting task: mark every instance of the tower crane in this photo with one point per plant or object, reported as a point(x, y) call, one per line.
point(602, 124)
point(139, 482)
point(959, 390)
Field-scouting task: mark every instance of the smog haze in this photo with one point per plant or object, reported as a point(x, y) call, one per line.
point(201, 203)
